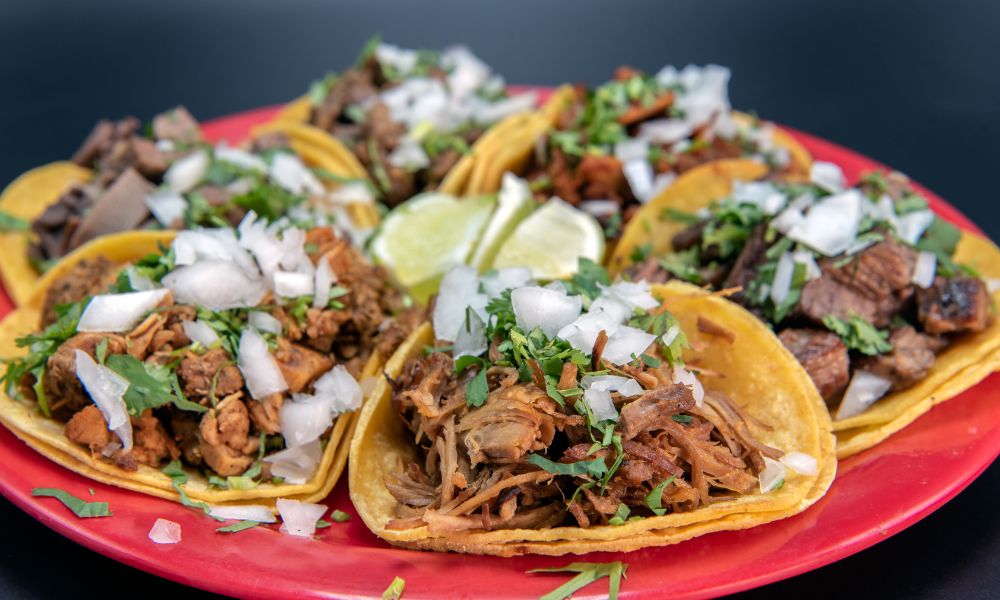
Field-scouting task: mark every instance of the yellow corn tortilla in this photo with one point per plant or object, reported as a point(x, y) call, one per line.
point(759, 375)
point(47, 435)
point(27, 197)
point(966, 361)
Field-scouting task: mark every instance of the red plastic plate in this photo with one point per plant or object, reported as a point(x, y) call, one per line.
point(877, 493)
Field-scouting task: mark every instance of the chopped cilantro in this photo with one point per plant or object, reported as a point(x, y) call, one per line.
point(586, 279)
point(268, 200)
point(395, 589)
point(641, 253)
point(238, 526)
point(679, 216)
point(654, 499)
point(150, 385)
point(340, 516)
point(9, 222)
point(620, 515)
point(80, 508)
point(683, 265)
point(587, 573)
point(595, 467)
point(478, 389)
point(858, 334)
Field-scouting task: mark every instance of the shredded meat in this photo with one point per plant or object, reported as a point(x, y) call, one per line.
point(514, 421)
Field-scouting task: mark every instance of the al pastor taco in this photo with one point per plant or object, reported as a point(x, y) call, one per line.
point(888, 307)
point(232, 358)
point(166, 177)
point(414, 120)
point(584, 416)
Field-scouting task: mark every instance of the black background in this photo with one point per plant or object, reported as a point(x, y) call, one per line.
point(914, 84)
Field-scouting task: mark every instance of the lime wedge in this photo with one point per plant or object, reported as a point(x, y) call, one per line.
point(427, 235)
point(514, 203)
point(551, 240)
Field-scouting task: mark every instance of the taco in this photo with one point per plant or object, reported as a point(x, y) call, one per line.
point(123, 179)
point(887, 306)
point(232, 359)
point(611, 149)
point(413, 120)
point(585, 417)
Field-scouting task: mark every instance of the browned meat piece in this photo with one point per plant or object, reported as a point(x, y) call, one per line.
point(823, 355)
point(639, 112)
point(63, 389)
point(88, 277)
point(299, 365)
point(54, 227)
point(751, 256)
point(88, 428)
point(513, 421)
point(601, 177)
point(353, 87)
point(380, 127)
point(564, 183)
point(441, 165)
point(269, 141)
point(197, 374)
point(140, 340)
point(648, 270)
point(910, 360)
point(120, 208)
point(718, 148)
point(226, 443)
point(266, 413)
point(184, 425)
point(953, 305)
point(151, 444)
point(689, 237)
point(148, 159)
point(875, 285)
point(650, 410)
point(97, 143)
point(177, 125)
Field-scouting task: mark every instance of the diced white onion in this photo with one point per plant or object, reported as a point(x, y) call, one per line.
point(804, 257)
point(911, 226)
point(630, 389)
point(832, 223)
point(299, 518)
point(827, 176)
point(168, 208)
point(288, 171)
point(340, 390)
point(264, 322)
point(296, 465)
point(199, 331)
point(409, 155)
point(259, 368)
point(925, 269)
point(788, 219)
point(639, 174)
point(671, 335)
point(138, 282)
point(665, 131)
point(215, 285)
point(773, 474)
point(661, 182)
point(782, 283)
point(689, 379)
point(459, 291)
point(323, 281)
point(119, 312)
point(186, 172)
point(495, 282)
point(600, 404)
point(800, 462)
point(106, 388)
point(471, 338)
point(865, 388)
point(625, 386)
point(243, 512)
point(582, 333)
point(212, 244)
point(625, 343)
point(762, 194)
point(240, 158)
point(304, 419)
point(632, 295)
point(293, 285)
point(632, 149)
point(600, 209)
point(547, 309)
point(165, 532)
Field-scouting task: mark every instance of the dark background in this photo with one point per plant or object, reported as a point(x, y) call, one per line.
point(914, 84)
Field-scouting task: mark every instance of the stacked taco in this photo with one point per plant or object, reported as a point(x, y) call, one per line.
point(889, 308)
point(585, 416)
point(236, 357)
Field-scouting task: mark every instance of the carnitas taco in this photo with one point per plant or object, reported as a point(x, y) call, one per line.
point(232, 358)
point(889, 308)
point(166, 176)
point(584, 416)
point(414, 120)
point(613, 148)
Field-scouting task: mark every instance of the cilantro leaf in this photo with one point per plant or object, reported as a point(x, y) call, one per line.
point(586, 279)
point(858, 334)
point(654, 499)
point(80, 508)
point(395, 589)
point(620, 515)
point(150, 385)
point(596, 468)
point(340, 516)
point(9, 222)
point(237, 527)
point(587, 574)
point(941, 238)
point(477, 390)
point(268, 200)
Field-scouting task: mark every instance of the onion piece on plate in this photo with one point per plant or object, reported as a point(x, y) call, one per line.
point(243, 512)
point(165, 532)
point(299, 518)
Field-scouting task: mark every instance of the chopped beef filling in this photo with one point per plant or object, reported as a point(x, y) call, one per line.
point(824, 357)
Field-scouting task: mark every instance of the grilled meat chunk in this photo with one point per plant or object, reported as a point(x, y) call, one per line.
point(88, 428)
point(954, 305)
point(910, 360)
point(824, 357)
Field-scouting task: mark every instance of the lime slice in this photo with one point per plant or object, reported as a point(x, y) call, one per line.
point(551, 240)
point(427, 235)
point(514, 203)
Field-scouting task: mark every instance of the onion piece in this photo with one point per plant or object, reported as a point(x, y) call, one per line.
point(911, 226)
point(689, 379)
point(547, 309)
point(832, 223)
point(827, 176)
point(600, 209)
point(600, 404)
point(800, 462)
point(762, 194)
point(497, 281)
point(782, 283)
point(296, 465)
point(774, 473)
point(342, 392)
point(264, 322)
point(925, 269)
point(240, 158)
point(288, 172)
point(625, 343)
point(409, 155)
point(168, 208)
point(201, 332)
point(243, 512)
point(582, 333)
point(670, 335)
point(259, 368)
point(165, 532)
point(804, 257)
point(299, 518)
point(639, 174)
point(631, 295)
point(304, 419)
point(459, 291)
point(215, 285)
point(293, 285)
point(865, 388)
point(119, 312)
point(630, 389)
point(138, 282)
point(211, 244)
point(471, 338)
point(323, 281)
point(107, 389)
point(186, 172)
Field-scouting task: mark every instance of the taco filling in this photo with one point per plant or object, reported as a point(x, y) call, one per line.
point(566, 405)
point(858, 282)
point(167, 177)
point(617, 146)
point(411, 115)
point(231, 351)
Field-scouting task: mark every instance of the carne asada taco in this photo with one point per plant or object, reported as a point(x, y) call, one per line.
point(236, 356)
point(583, 416)
point(414, 120)
point(889, 308)
point(122, 179)
point(612, 149)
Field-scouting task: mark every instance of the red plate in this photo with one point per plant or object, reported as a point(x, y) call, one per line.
point(877, 493)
